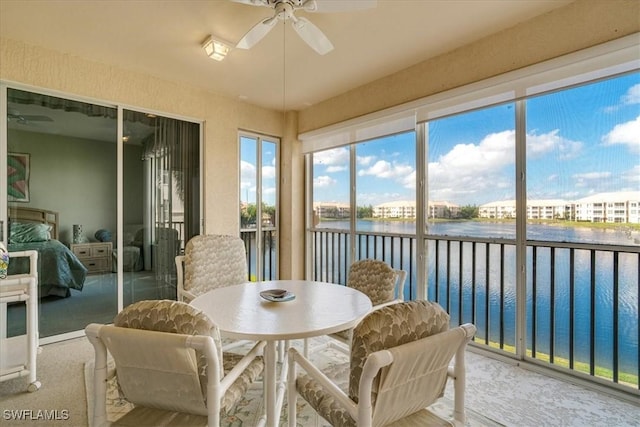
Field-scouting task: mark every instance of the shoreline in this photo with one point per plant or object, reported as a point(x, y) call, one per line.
point(553, 223)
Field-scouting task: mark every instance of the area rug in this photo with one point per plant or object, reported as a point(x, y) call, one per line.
point(249, 409)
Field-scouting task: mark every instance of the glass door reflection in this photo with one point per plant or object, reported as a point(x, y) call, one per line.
point(161, 199)
point(62, 174)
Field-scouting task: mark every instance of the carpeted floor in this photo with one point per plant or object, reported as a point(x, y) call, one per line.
point(498, 393)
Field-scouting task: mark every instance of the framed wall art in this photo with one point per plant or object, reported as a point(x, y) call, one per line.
point(18, 177)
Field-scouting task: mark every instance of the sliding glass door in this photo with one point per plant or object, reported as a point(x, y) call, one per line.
point(107, 213)
point(61, 171)
point(161, 195)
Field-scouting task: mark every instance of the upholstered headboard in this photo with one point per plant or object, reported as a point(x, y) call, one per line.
point(41, 216)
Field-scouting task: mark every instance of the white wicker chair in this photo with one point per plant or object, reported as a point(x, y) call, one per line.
point(399, 366)
point(169, 364)
point(383, 284)
point(210, 261)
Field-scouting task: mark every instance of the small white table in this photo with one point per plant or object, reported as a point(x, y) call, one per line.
point(318, 309)
point(18, 354)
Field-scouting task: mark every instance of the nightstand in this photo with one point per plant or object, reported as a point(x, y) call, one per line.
point(96, 256)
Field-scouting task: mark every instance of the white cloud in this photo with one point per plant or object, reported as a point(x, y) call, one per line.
point(334, 169)
point(625, 133)
point(409, 181)
point(398, 172)
point(589, 179)
point(323, 181)
point(493, 152)
point(539, 145)
point(335, 157)
point(470, 169)
point(365, 160)
point(471, 172)
point(247, 175)
point(632, 96)
point(632, 176)
point(268, 172)
point(591, 175)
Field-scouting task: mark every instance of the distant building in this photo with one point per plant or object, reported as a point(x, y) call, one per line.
point(443, 210)
point(333, 210)
point(407, 209)
point(498, 210)
point(547, 209)
point(397, 209)
point(536, 209)
point(613, 207)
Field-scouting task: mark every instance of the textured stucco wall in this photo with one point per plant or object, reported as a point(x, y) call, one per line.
point(42, 68)
point(577, 26)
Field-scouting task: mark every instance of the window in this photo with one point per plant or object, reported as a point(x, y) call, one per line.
point(259, 204)
point(531, 194)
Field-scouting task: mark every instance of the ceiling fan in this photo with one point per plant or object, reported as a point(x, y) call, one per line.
point(25, 119)
point(285, 10)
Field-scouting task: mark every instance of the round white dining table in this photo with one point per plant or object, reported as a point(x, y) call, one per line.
point(318, 308)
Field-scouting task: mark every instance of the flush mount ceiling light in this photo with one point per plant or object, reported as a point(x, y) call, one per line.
point(216, 49)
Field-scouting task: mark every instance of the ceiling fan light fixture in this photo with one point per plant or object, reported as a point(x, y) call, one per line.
point(216, 48)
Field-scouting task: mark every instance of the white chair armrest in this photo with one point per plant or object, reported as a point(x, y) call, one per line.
point(384, 304)
point(316, 374)
point(180, 276)
point(399, 290)
point(239, 368)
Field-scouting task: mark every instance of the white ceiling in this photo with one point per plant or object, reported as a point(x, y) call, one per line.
point(163, 38)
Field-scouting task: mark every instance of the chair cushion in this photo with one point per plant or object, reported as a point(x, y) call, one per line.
point(374, 278)
point(389, 327)
point(213, 261)
point(240, 385)
point(324, 404)
point(173, 317)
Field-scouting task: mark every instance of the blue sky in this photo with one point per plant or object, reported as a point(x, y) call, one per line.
point(248, 171)
point(580, 141)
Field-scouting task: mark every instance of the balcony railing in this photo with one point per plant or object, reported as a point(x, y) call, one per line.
point(581, 300)
point(262, 264)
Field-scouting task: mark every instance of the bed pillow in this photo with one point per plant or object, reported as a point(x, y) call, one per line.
point(103, 235)
point(29, 233)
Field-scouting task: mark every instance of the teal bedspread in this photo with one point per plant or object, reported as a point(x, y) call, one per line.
point(59, 270)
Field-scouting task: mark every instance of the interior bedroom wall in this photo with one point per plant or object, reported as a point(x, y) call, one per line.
point(77, 178)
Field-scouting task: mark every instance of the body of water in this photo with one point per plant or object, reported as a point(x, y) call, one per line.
point(549, 301)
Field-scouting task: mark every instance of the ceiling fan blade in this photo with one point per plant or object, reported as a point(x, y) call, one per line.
point(331, 6)
point(257, 33)
point(312, 35)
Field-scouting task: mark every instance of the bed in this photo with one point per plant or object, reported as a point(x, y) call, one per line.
point(59, 270)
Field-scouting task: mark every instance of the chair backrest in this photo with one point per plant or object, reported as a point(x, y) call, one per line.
point(214, 261)
point(376, 279)
point(156, 369)
point(417, 376)
point(388, 327)
point(173, 317)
